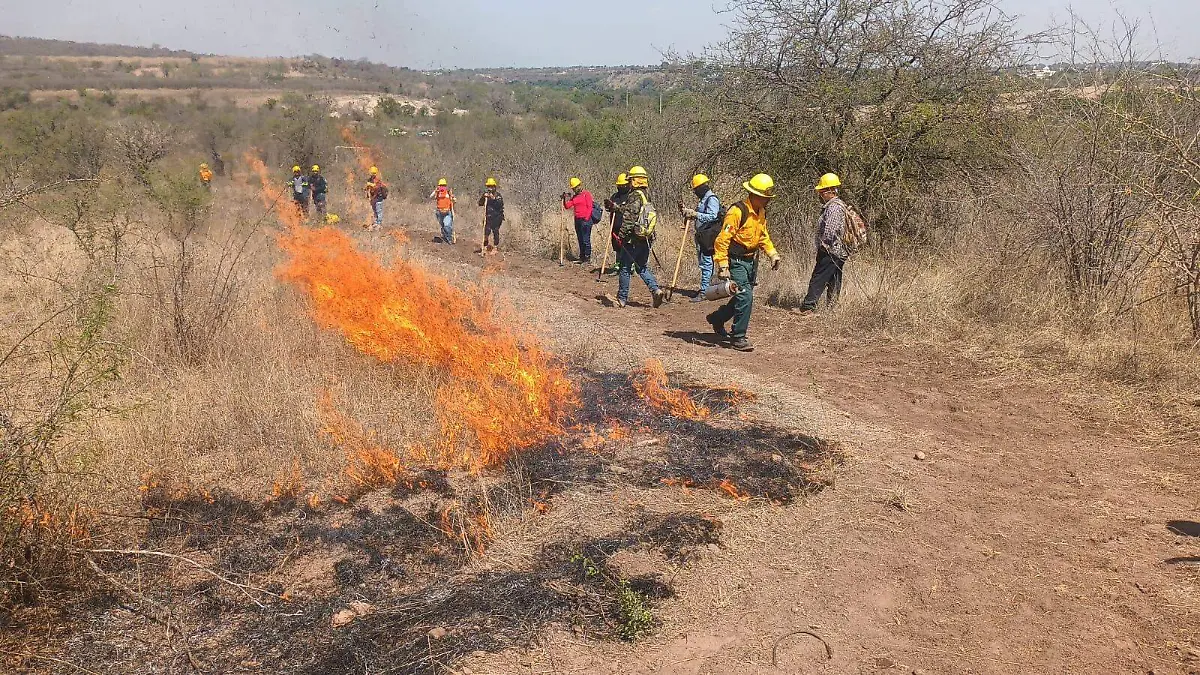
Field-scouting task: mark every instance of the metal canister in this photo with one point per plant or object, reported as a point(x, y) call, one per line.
point(721, 290)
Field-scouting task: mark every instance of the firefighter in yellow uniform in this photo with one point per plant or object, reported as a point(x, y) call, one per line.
point(206, 175)
point(743, 236)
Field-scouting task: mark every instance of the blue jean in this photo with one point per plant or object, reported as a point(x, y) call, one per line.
point(705, 261)
point(446, 221)
point(634, 254)
point(583, 232)
point(377, 207)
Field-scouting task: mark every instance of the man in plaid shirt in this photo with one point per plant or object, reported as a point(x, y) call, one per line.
point(831, 251)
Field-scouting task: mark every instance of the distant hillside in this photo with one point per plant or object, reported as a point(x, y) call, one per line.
point(61, 68)
point(22, 46)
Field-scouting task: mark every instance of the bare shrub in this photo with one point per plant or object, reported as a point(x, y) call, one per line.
point(141, 144)
point(302, 130)
point(52, 381)
point(197, 279)
point(893, 95)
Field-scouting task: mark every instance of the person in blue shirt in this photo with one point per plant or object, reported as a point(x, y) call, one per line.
point(708, 226)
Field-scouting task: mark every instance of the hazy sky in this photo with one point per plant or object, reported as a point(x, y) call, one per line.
point(469, 33)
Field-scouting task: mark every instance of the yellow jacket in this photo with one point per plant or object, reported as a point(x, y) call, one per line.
point(744, 240)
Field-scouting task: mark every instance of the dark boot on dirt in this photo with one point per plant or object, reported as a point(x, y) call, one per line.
point(717, 326)
point(659, 296)
point(742, 345)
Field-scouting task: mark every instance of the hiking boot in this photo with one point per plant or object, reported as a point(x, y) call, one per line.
point(698, 298)
point(659, 295)
point(806, 313)
point(621, 304)
point(717, 326)
point(742, 345)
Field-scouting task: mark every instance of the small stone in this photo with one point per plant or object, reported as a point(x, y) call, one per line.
point(362, 608)
point(778, 459)
point(577, 629)
point(437, 633)
point(884, 662)
point(714, 548)
point(920, 456)
point(466, 671)
point(343, 618)
point(619, 470)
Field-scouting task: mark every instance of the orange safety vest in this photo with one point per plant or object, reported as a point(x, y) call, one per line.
point(445, 200)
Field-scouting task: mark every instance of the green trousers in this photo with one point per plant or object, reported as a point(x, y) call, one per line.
point(739, 306)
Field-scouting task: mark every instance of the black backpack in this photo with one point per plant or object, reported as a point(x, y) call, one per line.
point(707, 237)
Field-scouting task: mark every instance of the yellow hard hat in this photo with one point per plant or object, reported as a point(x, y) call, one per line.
point(638, 172)
point(374, 171)
point(203, 165)
point(332, 219)
point(442, 182)
point(622, 180)
point(575, 182)
point(698, 180)
point(491, 182)
point(296, 169)
point(829, 180)
point(316, 167)
point(761, 185)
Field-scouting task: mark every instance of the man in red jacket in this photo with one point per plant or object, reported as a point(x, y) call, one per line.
point(580, 201)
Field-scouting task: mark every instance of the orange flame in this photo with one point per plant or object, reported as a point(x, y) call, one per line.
point(290, 484)
point(474, 530)
point(732, 490)
point(504, 391)
point(651, 384)
point(368, 464)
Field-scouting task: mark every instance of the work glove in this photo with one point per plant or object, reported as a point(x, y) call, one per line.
point(610, 206)
point(723, 273)
point(566, 197)
point(690, 213)
point(775, 262)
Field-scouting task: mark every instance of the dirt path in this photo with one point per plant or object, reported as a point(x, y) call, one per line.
point(1033, 537)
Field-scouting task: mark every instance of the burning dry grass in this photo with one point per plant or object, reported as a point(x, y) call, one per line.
point(652, 385)
point(502, 391)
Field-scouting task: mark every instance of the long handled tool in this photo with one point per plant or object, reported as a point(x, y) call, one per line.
point(679, 259)
point(612, 222)
point(562, 242)
point(453, 237)
point(484, 248)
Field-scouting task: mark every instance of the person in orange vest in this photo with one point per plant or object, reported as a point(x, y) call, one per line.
point(377, 191)
point(206, 176)
point(443, 197)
